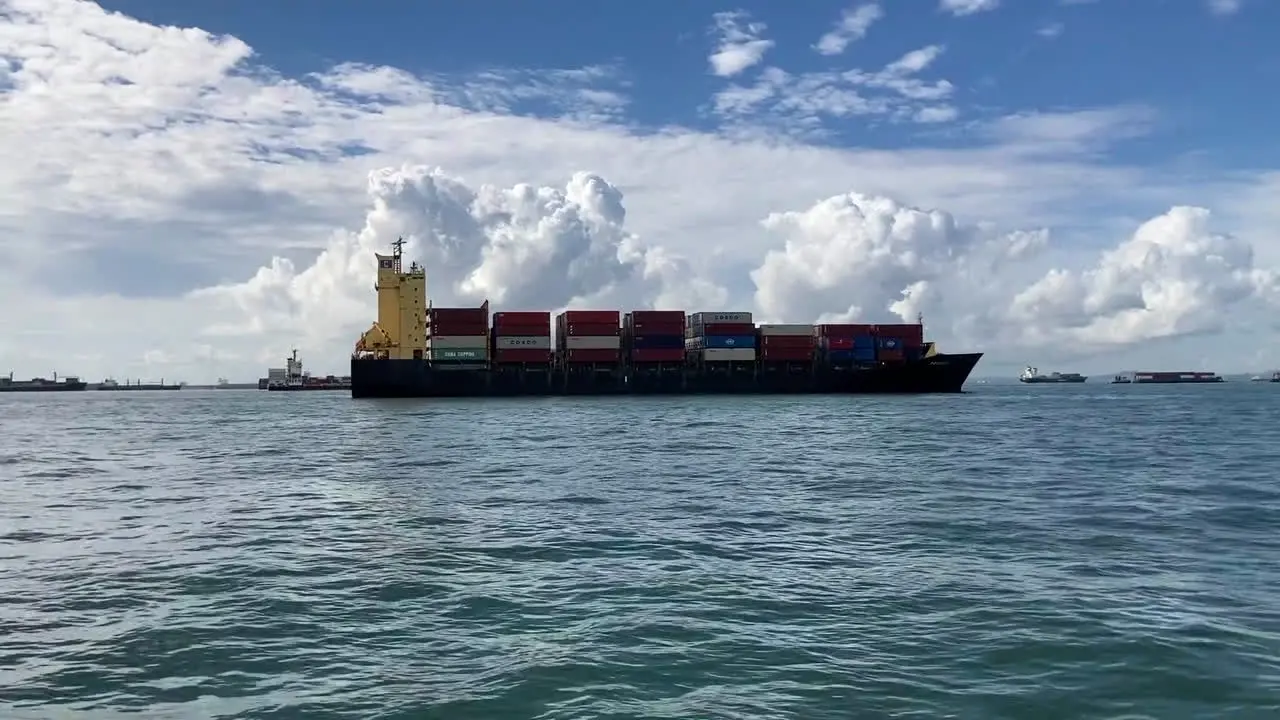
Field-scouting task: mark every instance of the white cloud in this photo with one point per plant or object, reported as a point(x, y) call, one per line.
point(1051, 30)
point(169, 208)
point(1224, 7)
point(968, 7)
point(739, 45)
point(800, 104)
point(852, 26)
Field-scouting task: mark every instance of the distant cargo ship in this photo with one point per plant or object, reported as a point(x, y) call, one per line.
point(67, 384)
point(1169, 378)
point(293, 378)
point(110, 384)
point(1032, 375)
point(417, 350)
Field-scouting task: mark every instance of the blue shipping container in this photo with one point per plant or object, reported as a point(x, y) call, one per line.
point(717, 342)
point(864, 354)
point(864, 341)
point(657, 342)
point(890, 343)
point(840, 356)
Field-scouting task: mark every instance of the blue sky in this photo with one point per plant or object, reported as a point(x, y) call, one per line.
point(1059, 181)
point(1201, 69)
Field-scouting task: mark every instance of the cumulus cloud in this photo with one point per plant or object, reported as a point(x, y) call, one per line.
point(171, 207)
point(852, 26)
point(1175, 276)
point(960, 8)
point(521, 247)
point(1224, 7)
point(739, 45)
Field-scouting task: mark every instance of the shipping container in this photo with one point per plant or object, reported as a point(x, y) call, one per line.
point(832, 342)
point(591, 356)
point(512, 342)
point(536, 318)
point(456, 329)
point(886, 343)
point(441, 342)
point(462, 315)
point(844, 330)
point(786, 354)
point(864, 341)
point(475, 353)
point(522, 355)
point(657, 342)
point(590, 317)
point(863, 354)
point(658, 316)
point(656, 327)
point(722, 329)
point(911, 334)
point(845, 357)
point(656, 355)
point(526, 330)
point(895, 355)
point(592, 342)
point(592, 329)
point(704, 318)
point(787, 341)
point(712, 342)
point(786, 330)
point(728, 354)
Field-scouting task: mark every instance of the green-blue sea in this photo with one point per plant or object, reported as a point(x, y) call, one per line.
point(1038, 552)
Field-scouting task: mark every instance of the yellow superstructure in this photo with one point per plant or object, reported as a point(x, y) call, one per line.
point(400, 332)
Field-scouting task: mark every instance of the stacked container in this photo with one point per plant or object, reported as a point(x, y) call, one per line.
point(786, 343)
point(847, 344)
point(654, 336)
point(898, 343)
point(458, 335)
point(721, 337)
point(588, 336)
point(521, 337)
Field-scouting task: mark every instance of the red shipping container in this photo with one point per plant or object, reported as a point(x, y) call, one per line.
point(839, 343)
point(911, 334)
point(592, 330)
point(522, 330)
point(522, 355)
point(728, 329)
point(475, 315)
point(845, 330)
point(456, 329)
point(592, 356)
point(660, 316)
point(657, 355)
point(522, 318)
point(593, 317)
point(786, 354)
point(787, 341)
point(657, 327)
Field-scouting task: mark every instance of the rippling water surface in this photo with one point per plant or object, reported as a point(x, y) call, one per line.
point(1015, 552)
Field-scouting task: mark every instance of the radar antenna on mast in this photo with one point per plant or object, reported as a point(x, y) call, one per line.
point(397, 253)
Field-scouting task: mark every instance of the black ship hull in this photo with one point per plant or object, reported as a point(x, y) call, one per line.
point(300, 388)
point(53, 387)
point(124, 388)
point(373, 378)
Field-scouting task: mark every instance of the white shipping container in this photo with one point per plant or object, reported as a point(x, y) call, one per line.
point(524, 342)
point(729, 355)
point(720, 317)
point(441, 342)
point(792, 330)
point(592, 342)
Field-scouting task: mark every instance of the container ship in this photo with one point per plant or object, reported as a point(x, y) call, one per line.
point(1167, 378)
point(110, 384)
point(1032, 375)
point(292, 378)
point(67, 384)
point(417, 350)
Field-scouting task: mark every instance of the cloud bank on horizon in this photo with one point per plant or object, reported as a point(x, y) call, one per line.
point(174, 206)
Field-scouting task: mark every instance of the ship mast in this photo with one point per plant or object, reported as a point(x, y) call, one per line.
point(397, 252)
